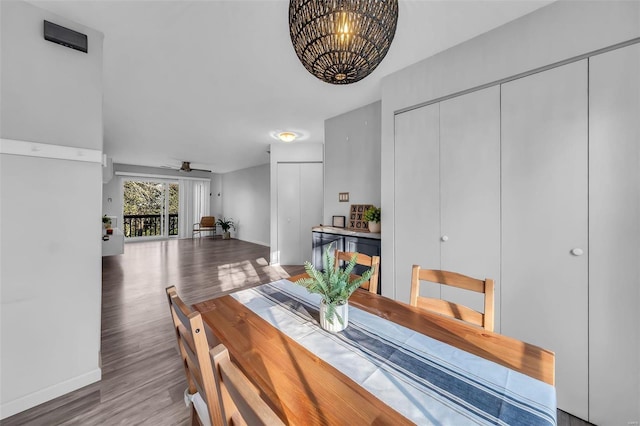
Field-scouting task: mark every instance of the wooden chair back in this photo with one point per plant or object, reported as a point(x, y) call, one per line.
point(242, 404)
point(207, 222)
point(483, 319)
point(364, 260)
point(193, 345)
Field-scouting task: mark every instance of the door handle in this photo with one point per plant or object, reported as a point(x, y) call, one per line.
point(444, 238)
point(577, 251)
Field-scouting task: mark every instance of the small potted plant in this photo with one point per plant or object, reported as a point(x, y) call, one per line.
point(335, 285)
point(106, 222)
point(226, 225)
point(372, 215)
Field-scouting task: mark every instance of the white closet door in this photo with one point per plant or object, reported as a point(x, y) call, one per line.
point(300, 198)
point(544, 218)
point(470, 191)
point(311, 205)
point(417, 215)
point(289, 214)
point(614, 237)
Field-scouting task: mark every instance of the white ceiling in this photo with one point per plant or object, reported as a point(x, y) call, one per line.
point(209, 81)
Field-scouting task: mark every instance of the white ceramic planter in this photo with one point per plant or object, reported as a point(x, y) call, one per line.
point(374, 227)
point(341, 310)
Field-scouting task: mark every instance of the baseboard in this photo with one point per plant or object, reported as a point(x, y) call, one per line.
point(36, 398)
point(255, 242)
point(219, 236)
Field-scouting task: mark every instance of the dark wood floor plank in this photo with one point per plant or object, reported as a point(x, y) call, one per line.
point(142, 377)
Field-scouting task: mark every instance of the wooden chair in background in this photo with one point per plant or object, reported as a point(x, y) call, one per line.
point(207, 223)
point(364, 260)
point(483, 319)
point(243, 404)
point(193, 345)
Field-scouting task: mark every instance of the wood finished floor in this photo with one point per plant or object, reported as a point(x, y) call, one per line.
point(142, 377)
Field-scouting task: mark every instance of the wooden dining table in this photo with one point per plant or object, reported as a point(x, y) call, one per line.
point(304, 389)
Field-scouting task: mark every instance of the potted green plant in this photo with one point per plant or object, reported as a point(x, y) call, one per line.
point(226, 225)
point(335, 285)
point(372, 215)
point(106, 222)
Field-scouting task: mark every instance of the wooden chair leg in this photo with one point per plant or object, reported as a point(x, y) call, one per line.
point(195, 420)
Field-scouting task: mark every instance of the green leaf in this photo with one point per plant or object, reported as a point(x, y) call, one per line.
point(333, 284)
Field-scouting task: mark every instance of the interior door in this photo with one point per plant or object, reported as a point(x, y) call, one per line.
point(417, 183)
point(311, 206)
point(470, 191)
point(300, 198)
point(289, 213)
point(614, 236)
point(544, 222)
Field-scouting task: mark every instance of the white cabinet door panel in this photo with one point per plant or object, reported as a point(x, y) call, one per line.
point(289, 213)
point(299, 209)
point(311, 204)
point(470, 191)
point(544, 217)
point(417, 211)
point(614, 237)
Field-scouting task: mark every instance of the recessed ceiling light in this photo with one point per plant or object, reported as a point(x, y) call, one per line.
point(287, 136)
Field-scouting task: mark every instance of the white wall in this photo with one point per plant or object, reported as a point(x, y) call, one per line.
point(287, 153)
point(112, 199)
point(216, 194)
point(50, 276)
point(50, 93)
point(245, 198)
point(352, 160)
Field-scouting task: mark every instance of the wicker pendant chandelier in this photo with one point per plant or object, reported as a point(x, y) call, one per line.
point(342, 41)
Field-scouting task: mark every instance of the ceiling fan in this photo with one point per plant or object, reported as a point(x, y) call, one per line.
point(186, 167)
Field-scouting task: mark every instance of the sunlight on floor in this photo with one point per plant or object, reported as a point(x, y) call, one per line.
point(262, 261)
point(245, 273)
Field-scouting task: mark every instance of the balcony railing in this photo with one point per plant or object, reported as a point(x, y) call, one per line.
point(148, 225)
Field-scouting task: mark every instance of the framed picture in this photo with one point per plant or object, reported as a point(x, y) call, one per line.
point(339, 221)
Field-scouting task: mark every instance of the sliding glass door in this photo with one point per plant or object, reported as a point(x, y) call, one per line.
point(151, 208)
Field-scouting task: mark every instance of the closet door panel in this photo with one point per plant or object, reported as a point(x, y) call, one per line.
point(289, 214)
point(470, 190)
point(311, 205)
point(544, 217)
point(417, 215)
point(614, 237)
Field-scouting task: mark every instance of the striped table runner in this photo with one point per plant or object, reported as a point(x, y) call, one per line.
point(427, 381)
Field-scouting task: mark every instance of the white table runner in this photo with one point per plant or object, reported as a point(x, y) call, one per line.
point(427, 381)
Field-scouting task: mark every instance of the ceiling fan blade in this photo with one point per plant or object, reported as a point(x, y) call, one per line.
point(186, 167)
